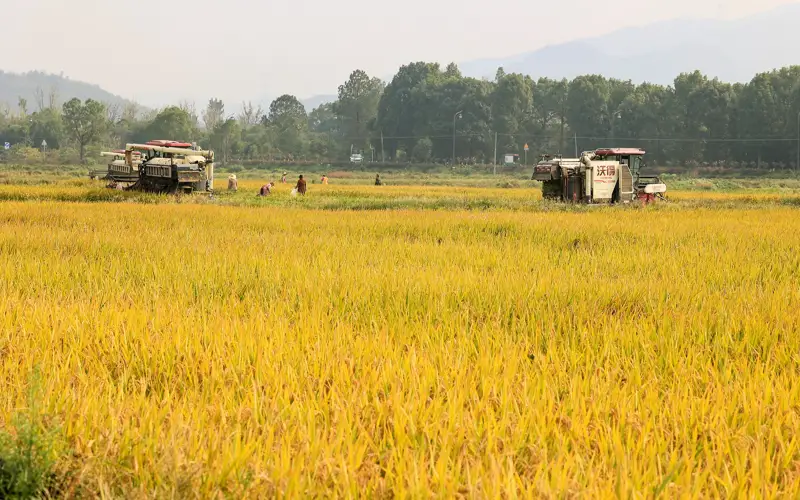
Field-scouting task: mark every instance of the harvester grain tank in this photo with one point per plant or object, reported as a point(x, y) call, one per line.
point(608, 175)
point(170, 166)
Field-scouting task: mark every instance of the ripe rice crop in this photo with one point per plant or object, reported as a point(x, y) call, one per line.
point(207, 351)
point(394, 197)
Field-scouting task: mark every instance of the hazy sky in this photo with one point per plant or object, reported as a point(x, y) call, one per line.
point(159, 51)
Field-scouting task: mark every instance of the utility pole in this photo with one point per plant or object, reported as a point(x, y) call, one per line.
point(383, 158)
point(495, 153)
point(28, 138)
point(457, 115)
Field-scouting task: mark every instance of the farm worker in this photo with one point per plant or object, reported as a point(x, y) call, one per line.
point(266, 189)
point(283, 179)
point(233, 184)
point(324, 179)
point(301, 185)
point(378, 181)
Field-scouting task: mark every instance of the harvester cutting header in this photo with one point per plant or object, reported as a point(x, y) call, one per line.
point(162, 166)
point(609, 175)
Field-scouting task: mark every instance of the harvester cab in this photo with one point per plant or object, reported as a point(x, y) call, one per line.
point(170, 166)
point(608, 175)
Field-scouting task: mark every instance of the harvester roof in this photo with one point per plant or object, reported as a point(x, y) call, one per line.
point(619, 151)
point(169, 144)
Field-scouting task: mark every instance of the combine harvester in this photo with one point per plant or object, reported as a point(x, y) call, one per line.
point(610, 175)
point(160, 167)
point(170, 167)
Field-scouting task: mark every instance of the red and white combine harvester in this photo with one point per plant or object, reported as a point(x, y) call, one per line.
point(609, 175)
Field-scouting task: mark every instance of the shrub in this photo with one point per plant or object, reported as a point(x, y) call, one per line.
point(28, 455)
point(25, 154)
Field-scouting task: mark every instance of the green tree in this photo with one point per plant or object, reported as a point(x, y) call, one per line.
point(399, 109)
point(719, 103)
point(422, 150)
point(512, 104)
point(357, 108)
point(171, 123)
point(250, 115)
point(547, 120)
point(322, 145)
point(588, 112)
point(452, 71)
point(46, 125)
point(689, 110)
point(287, 116)
point(224, 137)
point(214, 114)
point(258, 142)
point(323, 119)
point(84, 122)
point(437, 102)
point(767, 107)
point(127, 126)
point(643, 114)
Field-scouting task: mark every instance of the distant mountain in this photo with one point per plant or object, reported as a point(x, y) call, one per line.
point(28, 85)
point(317, 100)
point(732, 50)
point(36, 85)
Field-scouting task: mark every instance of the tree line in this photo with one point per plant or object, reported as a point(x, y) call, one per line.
point(431, 114)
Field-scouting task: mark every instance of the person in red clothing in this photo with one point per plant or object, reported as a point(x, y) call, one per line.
point(301, 186)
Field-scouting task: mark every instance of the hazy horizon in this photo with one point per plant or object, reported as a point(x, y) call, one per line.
point(307, 47)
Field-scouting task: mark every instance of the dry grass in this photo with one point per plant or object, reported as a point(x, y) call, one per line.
point(207, 351)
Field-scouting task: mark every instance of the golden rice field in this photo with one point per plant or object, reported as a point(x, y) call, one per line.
point(205, 350)
point(361, 197)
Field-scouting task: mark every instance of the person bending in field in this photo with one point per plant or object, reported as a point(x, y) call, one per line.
point(233, 183)
point(378, 181)
point(283, 178)
point(324, 179)
point(266, 189)
point(301, 186)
